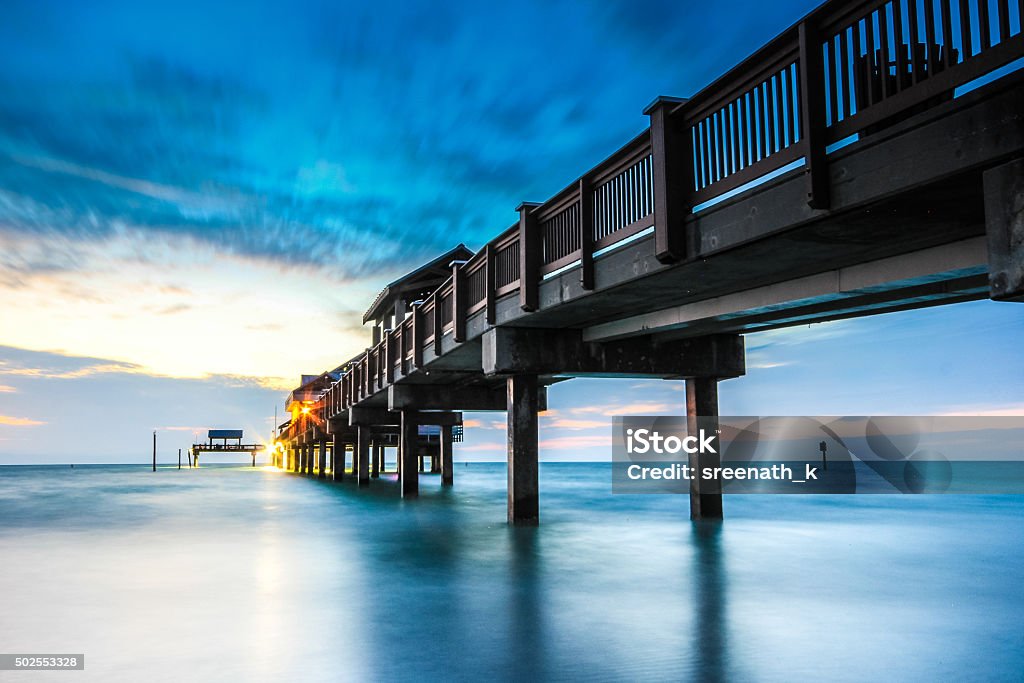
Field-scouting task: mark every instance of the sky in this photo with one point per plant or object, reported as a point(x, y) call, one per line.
point(198, 202)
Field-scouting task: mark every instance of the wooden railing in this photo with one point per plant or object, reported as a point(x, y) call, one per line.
point(622, 198)
point(885, 58)
point(506, 261)
point(847, 68)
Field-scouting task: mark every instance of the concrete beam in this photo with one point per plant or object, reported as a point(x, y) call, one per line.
point(382, 417)
point(512, 350)
point(443, 397)
point(1004, 226)
point(896, 278)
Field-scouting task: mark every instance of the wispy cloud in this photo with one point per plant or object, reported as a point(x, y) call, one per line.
point(19, 421)
point(638, 408)
point(482, 447)
point(986, 410)
point(87, 371)
point(575, 424)
point(6, 389)
point(63, 366)
point(561, 443)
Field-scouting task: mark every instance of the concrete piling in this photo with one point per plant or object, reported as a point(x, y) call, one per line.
point(702, 413)
point(408, 473)
point(523, 405)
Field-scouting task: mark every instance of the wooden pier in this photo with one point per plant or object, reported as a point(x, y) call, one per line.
point(842, 170)
point(217, 442)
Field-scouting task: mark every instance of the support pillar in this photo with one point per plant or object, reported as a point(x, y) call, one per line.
point(447, 471)
point(375, 461)
point(435, 458)
point(362, 455)
point(338, 453)
point(1004, 226)
point(407, 472)
point(323, 459)
point(523, 405)
point(702, 413)
point(421, 459)
point(309, 459)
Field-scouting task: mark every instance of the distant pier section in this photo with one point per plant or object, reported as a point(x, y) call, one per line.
point(226, 441)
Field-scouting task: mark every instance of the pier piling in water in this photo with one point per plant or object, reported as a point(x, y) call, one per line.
point(408, 473)
point(362, 455)
point(523, 490)
point(702, 413)
point(447, 475)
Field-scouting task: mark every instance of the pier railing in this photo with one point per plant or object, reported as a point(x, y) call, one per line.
point(845, 72)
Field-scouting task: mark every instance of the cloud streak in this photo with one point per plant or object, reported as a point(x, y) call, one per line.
point(9, 421)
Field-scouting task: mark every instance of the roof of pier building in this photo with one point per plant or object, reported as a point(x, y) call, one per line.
point(417, 284)
point(311, 387)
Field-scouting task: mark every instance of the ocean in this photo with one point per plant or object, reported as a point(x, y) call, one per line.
point(230, 573)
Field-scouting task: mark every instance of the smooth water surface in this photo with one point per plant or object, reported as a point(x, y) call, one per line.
point(233, 573)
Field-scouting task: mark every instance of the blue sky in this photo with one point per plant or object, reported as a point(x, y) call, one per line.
point(197, 202)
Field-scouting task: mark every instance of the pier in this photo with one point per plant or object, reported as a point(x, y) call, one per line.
point(854, 165)
point(217, 442)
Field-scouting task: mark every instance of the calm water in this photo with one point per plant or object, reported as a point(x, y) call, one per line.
point(229, 573)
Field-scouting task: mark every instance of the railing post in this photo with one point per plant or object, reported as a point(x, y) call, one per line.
point(812, 116)
point(438, 322)
point(489, 298)
point(672, 171)
point(459, 303)
point(586, 234)
point(389, 356)
point(529, 257)
point(417, 336)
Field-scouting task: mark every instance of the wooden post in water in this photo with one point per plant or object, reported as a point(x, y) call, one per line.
point(154, 451)
point(702, 413)
point(362, 456)
point(338, 471)
point(523, 405)
point(446, 456)
point(179, 458)
point(408, 474)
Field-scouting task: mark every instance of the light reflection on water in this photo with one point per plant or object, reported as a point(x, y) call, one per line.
point(230, 573)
